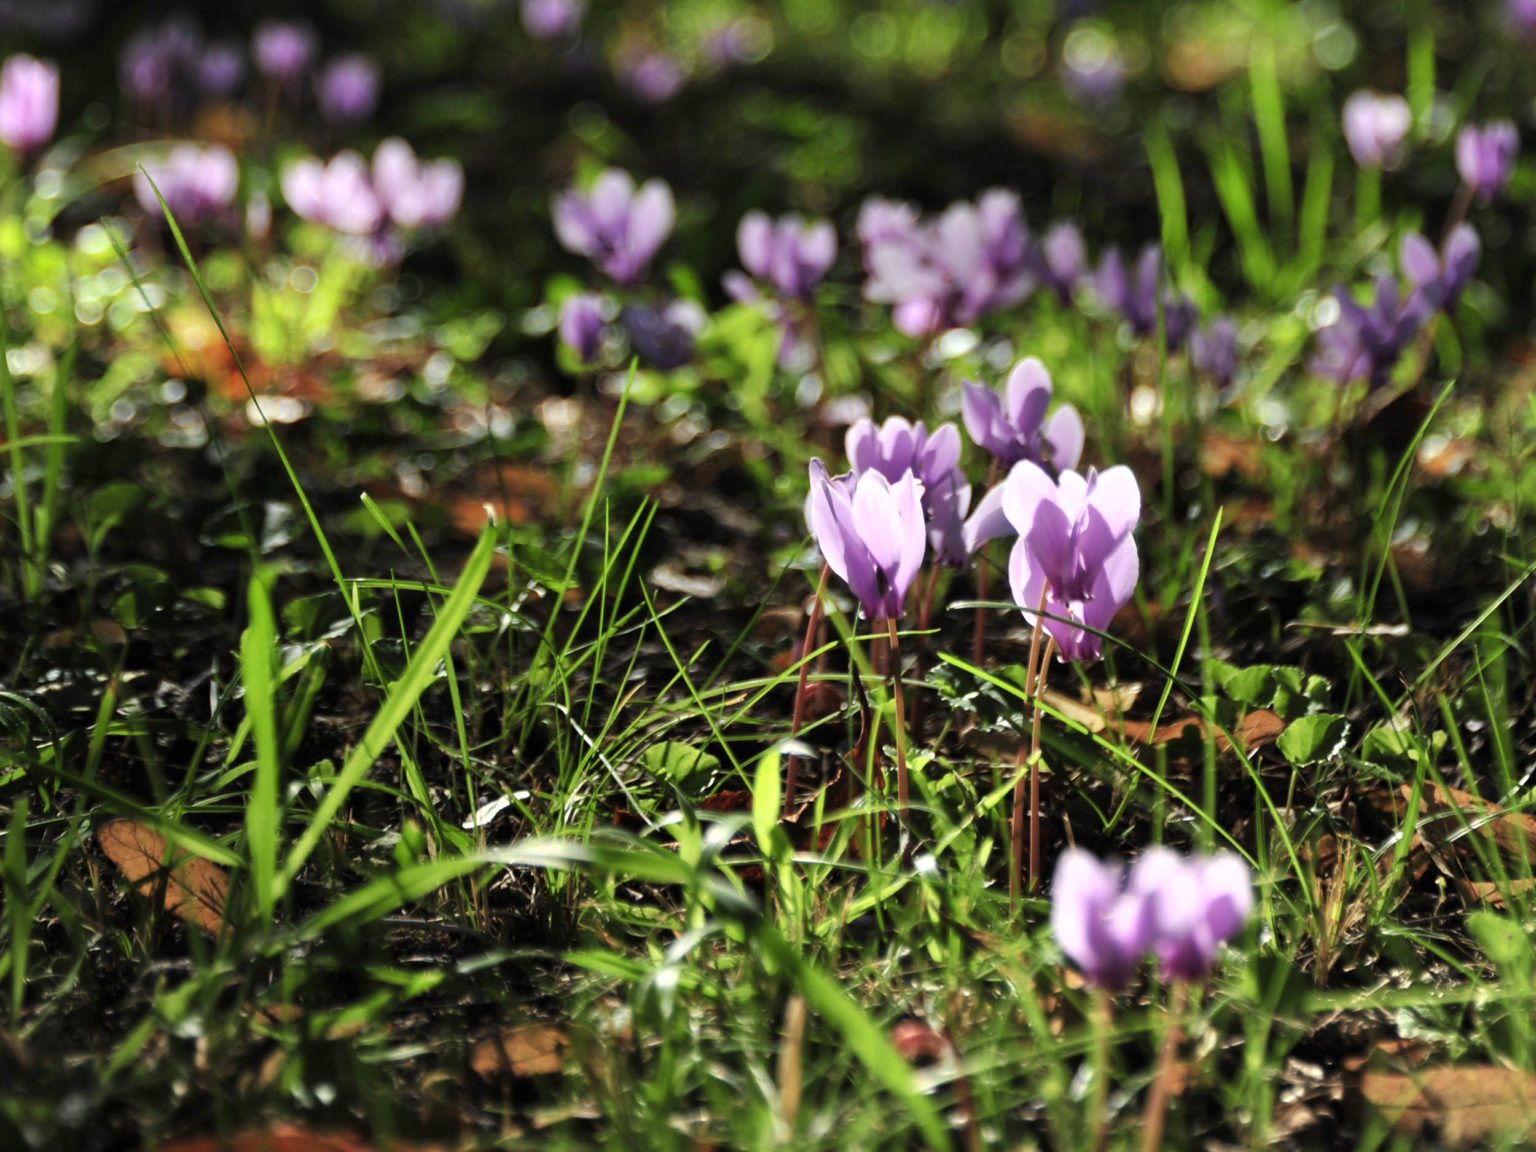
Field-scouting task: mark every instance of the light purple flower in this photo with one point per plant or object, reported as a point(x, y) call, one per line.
point(1485, 156)
point(1135, 297)
point(220, 68)
point(651, 74)
point(1375, 127)
point(339, 195)
point(581, 324)
point(664, 336)
point(347, 88)
point(1439, 277)
point(948, 271)
point(1075, 549)
point(548, 19)
point(616, 226)
point(871, 532)
point(1013, 426)
point(29, 102)
point(1091, 66)
point(283, 49)
point(1196, 905)
point(415, 195)
point(197, 181)
point(1061, 258)
point(1520, 15)
point(897, 447)
point(1101, 926)
point(1213, 350)
point(790, 254)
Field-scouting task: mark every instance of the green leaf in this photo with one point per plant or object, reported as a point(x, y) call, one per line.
point(765, 800)
point(687, 767)
point(1311, 739)
point(1504, 942)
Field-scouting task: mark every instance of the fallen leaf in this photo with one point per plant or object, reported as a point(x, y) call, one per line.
point(527, 1050)
point(1454, 1107)
point(1253, 730)
point(1221, 453)
point(195, 889)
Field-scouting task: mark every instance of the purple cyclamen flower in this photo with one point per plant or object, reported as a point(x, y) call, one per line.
point(615, 225)
point(581, 324)
point(548, 19)
point(1375, 128)
point(1013, 426)
point(790, 254)
point(339, 195)
point(347, 88)
point(198, 182)
point(220, 68)
point(897, 447)
point(946, 272)
point(1196, 905)
point(283, 49)
point(1485, 157)
point(1439, 277)
point(1365, 342)
point(1075, 549)
point(1135, 297)
point(29, 102)
point(1520, 15)
point(871, 532)
point(1091, 66)
point(664, 336)
point(651, 74)
point(1213, 350)
point(1101, 926)
point(415, 195)
point(1061, 258)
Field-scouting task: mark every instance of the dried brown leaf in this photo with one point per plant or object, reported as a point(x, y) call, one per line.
point(1253, 730)
point(1456, 1107)
point(195, 889)
point(282, 1138)
point(527, 1050)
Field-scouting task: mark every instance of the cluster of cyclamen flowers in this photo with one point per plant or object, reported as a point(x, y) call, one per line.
point(1366, 341)
point(1108, 920)
point(375, 202)
point(169, 68)
point(1074, 564)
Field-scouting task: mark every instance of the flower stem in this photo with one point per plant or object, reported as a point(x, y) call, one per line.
point(903, 795)
point(1156, 1109)
point(979, 641)
point(1016, 870)
point(1105, 1013)
point(793, 762)
point(1034, 767)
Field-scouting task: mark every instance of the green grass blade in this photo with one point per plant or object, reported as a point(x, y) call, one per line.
point(258, 650)
point(398, 702)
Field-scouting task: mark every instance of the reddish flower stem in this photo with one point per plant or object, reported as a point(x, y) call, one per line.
point(1156, 1109)
point(812, 623)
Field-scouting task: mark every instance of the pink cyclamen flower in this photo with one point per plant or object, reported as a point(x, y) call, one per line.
point(347, 88)
point(1375, 127)
point(415, 195)
point(1075, 551)
point(1196, 905)
point(283, 49)
point(29, 102)
point(872, 534)
point(615, 225)
point(581, 324)
point(339, 194)
point(219, 69)
point(790, 254)
point(1485, 156)
point(549, 19)
point(198, 183)
point(897, 447)
point(1104, 927)
point(1013, 426)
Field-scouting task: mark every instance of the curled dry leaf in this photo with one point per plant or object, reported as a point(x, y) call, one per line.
point(527, 1050)
point(1455, 1107)
point(195, 889)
